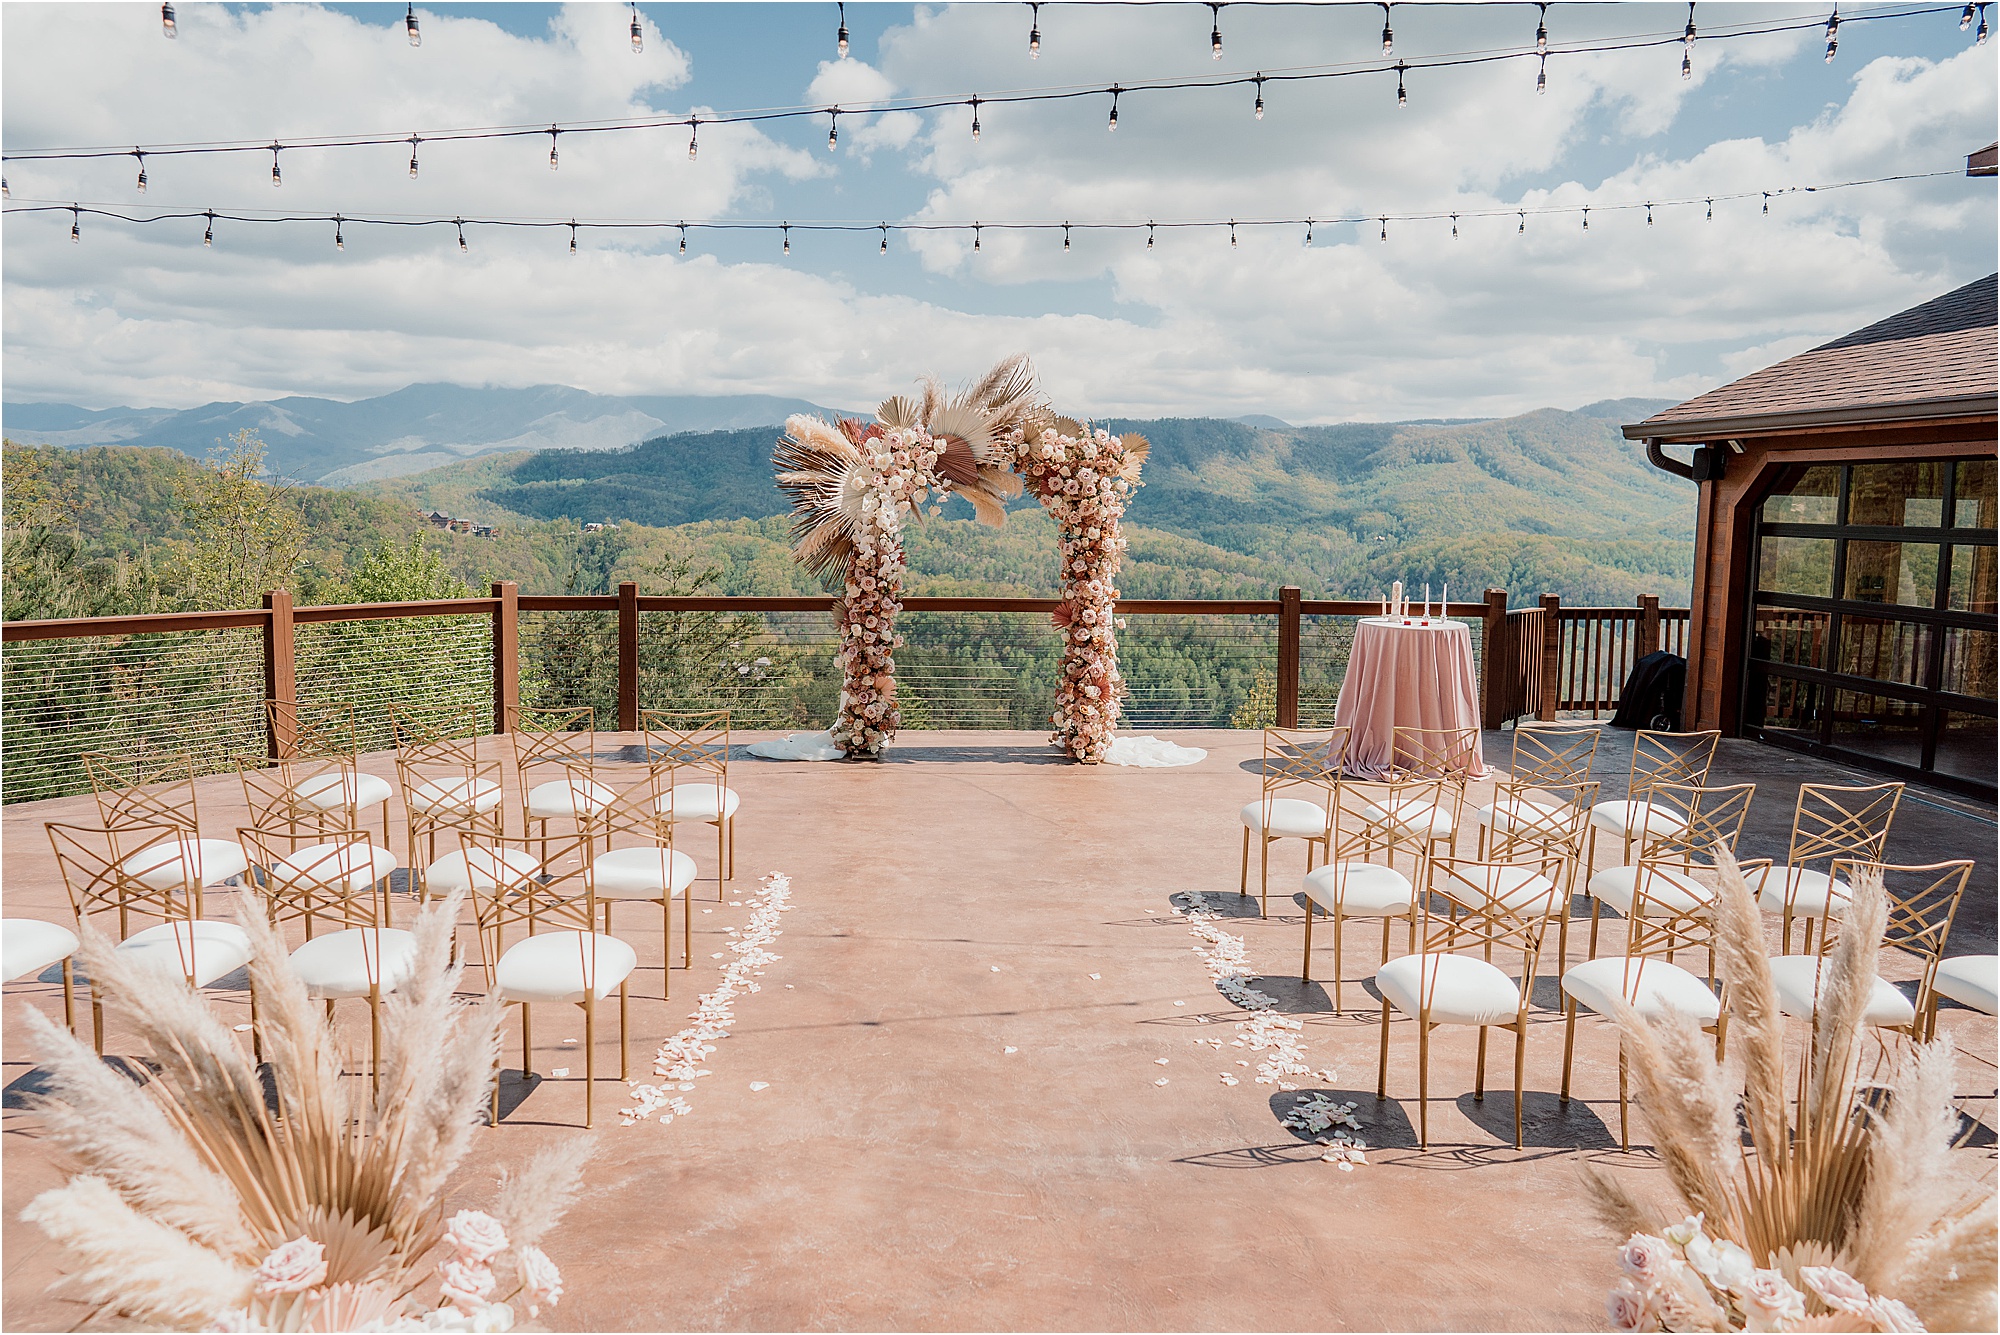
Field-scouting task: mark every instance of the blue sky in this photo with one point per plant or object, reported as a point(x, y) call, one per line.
point(1353, 328)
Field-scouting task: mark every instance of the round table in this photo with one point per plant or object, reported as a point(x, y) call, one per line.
point(1406, 674)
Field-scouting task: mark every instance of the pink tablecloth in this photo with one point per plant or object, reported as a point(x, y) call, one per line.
point(1408, 677)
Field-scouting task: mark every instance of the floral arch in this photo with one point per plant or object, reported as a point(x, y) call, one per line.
point(853, 483)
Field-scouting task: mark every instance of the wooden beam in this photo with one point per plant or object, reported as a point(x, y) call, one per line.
point(628, 657)
point(1288, 656)
point(1552, 635)
point(506, 653)
point(281, 684)
point(1495, 664)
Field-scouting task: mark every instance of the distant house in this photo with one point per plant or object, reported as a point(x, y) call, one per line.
point(1844, 577)
point(593, 528)
point(438, 519)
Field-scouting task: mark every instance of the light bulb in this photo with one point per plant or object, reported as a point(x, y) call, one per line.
point(684, 238)
point(277, 175)
point(1832, 33)
point(410, 26)
point(975, 120)
point(1649, 215)
point(833, 133)
point(1711, 210)
point(1767, 203)
point(1385, 229)
point(1979, 38)
point(1454, 227)
point(638, 32)
point(142, 169)
point(1542, 32)
point(1524, 225)
point(1542, 77)
point(75, 227)
point(975, 238)
point(339, 241)
point(414, 141)
point(1964, 20)
point(788, 238)
point(572, 238)
point(1232, 233)
point(840, 38)
point(1065, 238)
point(885, 242)
point(1402, 94)
point(1687, 66)
point(1687, 45)
point(1388, 37)
point(694, 133)
point(1258, 110)
point(1034, 32)
point(1215, 31)
point(553, 161)
point(208, 236)
point(462, 247)
point(1309, 232)
point(1114, 109)
point(6, 191)
point(1149, 236)
point(1586, 217)
point(172, 29)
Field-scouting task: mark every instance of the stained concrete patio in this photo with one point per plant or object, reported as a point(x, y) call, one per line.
point(902, 1169)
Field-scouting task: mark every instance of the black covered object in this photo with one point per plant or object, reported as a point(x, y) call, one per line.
point(1652, 694)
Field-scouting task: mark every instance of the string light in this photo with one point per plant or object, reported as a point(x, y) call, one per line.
point(638, 32)
point(833, 130)
point(1649, 215)
point(1832, 33)
point(1402, 94)
point(6, 191)
point(975, 237)
point(1115, 90)
point(788, 237)
point(1232, 233)
point(684, 238)
point(1711, 211)
point(1385, 229)
point(840, 38)
point(1034, 32)
point(553, 133)
point(1215, 32)
point(1309, 232)
point(1767, 203)
point(1388, 37)
point(1586, 217)
point(277, 174)
point(1542, 76)
point(410, 25)
point(975, 120)
point(462, 247)
point(1979, 38)
point(208, 235)
point(1542, 30)
point(1454, 227)
point(1258, 110)
point(1965, 19)
point(75, 225)
point(1065, 238)
point(340, 242)
point(142, 169)
point(885, 239)
point(414, 141)
point(694, 130)
point(1524, 224)
point(572, 236)
point(172, 29)
point(1687, 45)
point(1149, 236)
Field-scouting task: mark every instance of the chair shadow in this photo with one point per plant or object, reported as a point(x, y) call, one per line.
point(1384, 1123)
point(21, 1093)
point(514, 1091)
point(1546, 1122)
point(1222, 903)
point(1972, 1134)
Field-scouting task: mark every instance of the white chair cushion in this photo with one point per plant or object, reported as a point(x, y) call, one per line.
point(1463, 990)
point(1360, 890)
point(213, 949)
point(1290, 817)
point(1650, 986)
point(698, 802)
point(550, 966)
point(341, 963)
point(1667, 888)
point(455, 796)
point(1970, 980)
point(1798, 979)
point(1519, 808)
point(1519, 889)
point(567, 797)
point(641, 873)
point(29, 945)
point(1412, 815)
point(353, 866)
point(164, 866)
point(324, 792)
point(1814, 894)
point(449, 872)
point(1643, 819)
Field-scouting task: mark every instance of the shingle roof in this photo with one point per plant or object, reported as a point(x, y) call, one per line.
point(1937, 359)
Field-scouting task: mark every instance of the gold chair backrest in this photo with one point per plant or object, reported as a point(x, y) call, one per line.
point(558, 737)
point(550, 890)
point(633, 808)
point(1295, 757)
point(316, 886)
point(1923, 900)
point(1365, 815)
point(698, 741)
point(415, 726)
point(92, 861)
point(1477, 921)
point(451, 763)
point(143, 789)
point(1553, 753)
point(275, 791)
point(1701, 818)
point(1541, 817)
point(1845, 821)
point(308, 731)
point(1670, 757)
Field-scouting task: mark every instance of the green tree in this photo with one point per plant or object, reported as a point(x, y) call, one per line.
point(244, 535)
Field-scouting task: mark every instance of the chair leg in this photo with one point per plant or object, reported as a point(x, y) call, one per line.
point(732, 848)
point(1520, 1067)
point(69, 996)
point(1593, 928)
point(96, 1020)
point(1306, 965)
point(1264, 884)
point(1479, 1071)
point(687, 931)
point(1337, 971)
point(624, 1025)
point(1243, 881)
point(1382, 1075)
point(1424, 1083)
point(1569, 1043)
point(1624, 1116)
point(667, 946)
point(374, 1039)
point(527, 1047)
point(721, 868)
point(589, 1055)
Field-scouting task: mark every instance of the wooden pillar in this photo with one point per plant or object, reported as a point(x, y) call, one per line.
point(1494, 663)
point(1552, 639)
point(1288, 656)
point(628, 657)
point(506, 653)
point(281, 684)
point(1649, 624)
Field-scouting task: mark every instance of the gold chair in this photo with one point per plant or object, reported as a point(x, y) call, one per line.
point(30, 945)
point(158, 792)
point(320, 747)
point(1534, 823)
point(446, 786)
point(694, 751)
point(555, 754)
point(648, 868)
point(1832, 822)
point(1350, 884)
point(307, 877)
point(1295, 801)
point(1657, 757)
point(563, 958)
point(1439, 986)
point(1690, 823)
point(1544, 755)
point(1448, 754)
point(1922, 901)
point(106, 869)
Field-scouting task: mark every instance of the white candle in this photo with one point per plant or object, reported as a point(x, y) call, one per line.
point(1427, 601)
point(1444, 601)
point(1396, 598)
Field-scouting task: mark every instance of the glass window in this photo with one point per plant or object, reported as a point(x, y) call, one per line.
point(1885, 650)
point(1966, 746)
point(1968, 663)
point(1878, 725)
point(1974, 507)
point(1786, 706)
point(1908, 494)
point(1971, 588)
point(1805, 496)
point(1790, 635)
point(1904, 573)
point(1796, 565)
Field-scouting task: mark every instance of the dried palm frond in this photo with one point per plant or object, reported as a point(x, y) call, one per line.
point(1856, 1183)
point(1137, 447)
point(825, 476)
point(900, 412)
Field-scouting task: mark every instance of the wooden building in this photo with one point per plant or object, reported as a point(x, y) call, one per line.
point(1844, 545)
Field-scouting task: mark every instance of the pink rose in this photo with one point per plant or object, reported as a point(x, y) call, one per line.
point(1836, 1288)
point(294, 1267)
point(541, 1282)
point(1769, 1303)
point(1888, 1314)
point(466, 1285)
point(1647, 1259)
point(1626, 1307)
point(477, 1236)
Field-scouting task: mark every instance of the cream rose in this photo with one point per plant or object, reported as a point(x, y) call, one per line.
point(465, 1285)
point(477, 1235)
point(1626, 1307)
point(1836, 1288)
point(1768, 1302)
point(293, 1267)
point(541, 1282)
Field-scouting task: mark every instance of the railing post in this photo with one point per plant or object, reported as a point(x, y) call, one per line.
point(1288, 656)
point(628, 657)
point(1649, 624)
point(1492, 654)
point(281, 683)
point(1552, 638)
point(506, 653)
